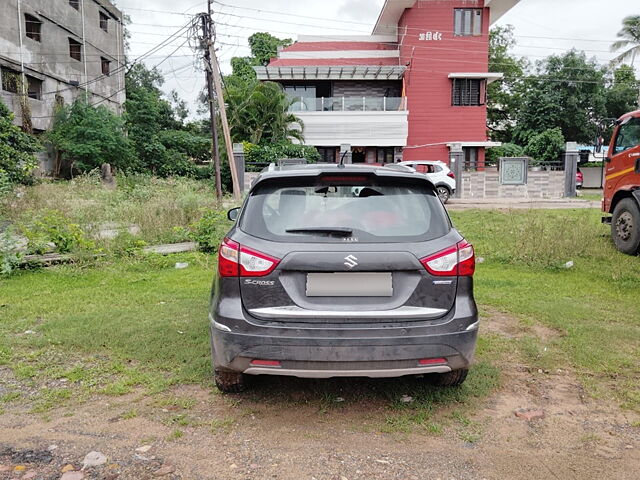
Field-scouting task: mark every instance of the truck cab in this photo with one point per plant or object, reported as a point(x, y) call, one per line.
point(622, 184)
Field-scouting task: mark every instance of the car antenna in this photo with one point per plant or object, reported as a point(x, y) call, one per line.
point(341, 164)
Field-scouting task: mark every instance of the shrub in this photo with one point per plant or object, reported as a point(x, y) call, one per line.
point(505, 150)
point(86, 137)
point(54, 227)
point(546, 146)
point(275, 152)
point(209, 230)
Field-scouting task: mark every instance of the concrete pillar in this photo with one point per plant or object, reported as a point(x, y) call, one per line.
point(571, 157)
point(456, 159)
point(345, 150)
point(238, 156)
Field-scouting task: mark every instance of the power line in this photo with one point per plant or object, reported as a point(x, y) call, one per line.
point(400, 29)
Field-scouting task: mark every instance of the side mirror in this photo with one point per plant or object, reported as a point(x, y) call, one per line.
point(233, 214)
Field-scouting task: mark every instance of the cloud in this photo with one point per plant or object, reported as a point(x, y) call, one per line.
point(362, 10)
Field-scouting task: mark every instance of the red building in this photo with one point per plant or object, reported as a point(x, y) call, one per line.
point(412, 90)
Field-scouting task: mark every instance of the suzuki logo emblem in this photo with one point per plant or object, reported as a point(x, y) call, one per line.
point(351, 261)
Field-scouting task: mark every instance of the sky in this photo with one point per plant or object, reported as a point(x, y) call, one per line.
point(542, 27)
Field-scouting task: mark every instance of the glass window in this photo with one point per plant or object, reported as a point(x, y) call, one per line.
point(33, 27)
point(628, 135)
point(305, 210)
point(303, 97)
point(467, 22)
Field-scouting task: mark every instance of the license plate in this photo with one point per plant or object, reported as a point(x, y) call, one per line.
point(356, 284)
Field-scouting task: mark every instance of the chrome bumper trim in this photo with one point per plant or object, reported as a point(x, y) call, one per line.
point(294, 311)
point(381, 373)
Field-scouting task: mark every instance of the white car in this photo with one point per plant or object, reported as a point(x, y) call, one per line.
point(439, 174)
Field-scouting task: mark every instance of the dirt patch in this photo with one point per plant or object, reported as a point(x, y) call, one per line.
point(285, 430)
point(501, 323)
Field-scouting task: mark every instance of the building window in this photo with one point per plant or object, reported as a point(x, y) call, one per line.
point(106, 66)
point(33, 27)
point(104, 22)
point(467, 22)
point(466, 92)
point(75, 49)
point(34, 88)
point(10, 80)
point(75, 4)
point(327, 154)
point(384, 155)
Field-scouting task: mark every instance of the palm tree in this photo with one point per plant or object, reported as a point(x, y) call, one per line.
point(630, 39)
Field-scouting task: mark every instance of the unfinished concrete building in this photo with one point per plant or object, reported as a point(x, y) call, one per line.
point(51, 51)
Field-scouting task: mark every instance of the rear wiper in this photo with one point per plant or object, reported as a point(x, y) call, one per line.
point(338, 231)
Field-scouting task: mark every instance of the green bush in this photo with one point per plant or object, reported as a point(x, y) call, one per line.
point(17, 149)
point(273, 153)
point(505, 150)
point(546, 146)
point(209, 230)
point(53, 227)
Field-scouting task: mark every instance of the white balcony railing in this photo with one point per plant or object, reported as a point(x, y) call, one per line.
point(348, 104)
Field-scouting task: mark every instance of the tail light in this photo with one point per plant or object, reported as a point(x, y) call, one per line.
point(456, 260)
point(235, 260)
point(451, 175)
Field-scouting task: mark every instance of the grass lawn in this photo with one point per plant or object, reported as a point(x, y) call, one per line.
point(142, 323)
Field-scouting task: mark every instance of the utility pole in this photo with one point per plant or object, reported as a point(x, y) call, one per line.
point(215, 156)
point(217, 81)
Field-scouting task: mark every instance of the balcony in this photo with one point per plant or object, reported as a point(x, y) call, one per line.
point(348, 104)
point(359, 121)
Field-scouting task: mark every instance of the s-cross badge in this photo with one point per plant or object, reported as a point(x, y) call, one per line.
point(351, 261)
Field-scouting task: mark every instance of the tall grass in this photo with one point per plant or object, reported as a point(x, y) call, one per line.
point(157, 206)
point(537, 238)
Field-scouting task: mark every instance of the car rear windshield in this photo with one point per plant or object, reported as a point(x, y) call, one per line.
point(344, 208)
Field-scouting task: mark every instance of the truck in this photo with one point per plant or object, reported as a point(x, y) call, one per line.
point(621, 198)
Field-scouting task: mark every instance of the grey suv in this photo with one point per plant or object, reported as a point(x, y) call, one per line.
point(342, 271)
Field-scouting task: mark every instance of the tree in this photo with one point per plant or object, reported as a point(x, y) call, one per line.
point(85, 137)
point(156, 126)
point(17, 149)
point(258, 112)
point(568, 92)
point(264, 46)
point(504, 97)
point(629, 39)
point(622, 93)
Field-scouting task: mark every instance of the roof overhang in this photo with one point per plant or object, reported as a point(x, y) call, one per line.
point(322, 54)
point(498, 8)
point(387, 23)
point(489, 76)
point(330, 72)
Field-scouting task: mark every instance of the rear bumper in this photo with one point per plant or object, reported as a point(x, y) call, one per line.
point(371, 349)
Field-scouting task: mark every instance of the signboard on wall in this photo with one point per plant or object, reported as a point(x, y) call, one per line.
point(513, 171)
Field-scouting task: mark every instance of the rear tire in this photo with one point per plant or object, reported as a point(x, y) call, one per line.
point(449, 379)
point(625, 226)
point(230, 382)
point(444, 193)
